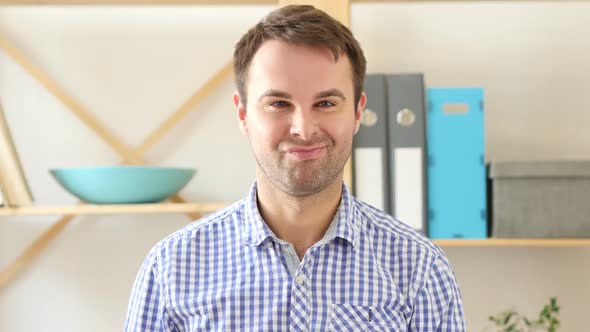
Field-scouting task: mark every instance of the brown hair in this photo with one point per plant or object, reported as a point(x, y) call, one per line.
point(300, 24)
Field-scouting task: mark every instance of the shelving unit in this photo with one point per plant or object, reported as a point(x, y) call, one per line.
point(129, 155)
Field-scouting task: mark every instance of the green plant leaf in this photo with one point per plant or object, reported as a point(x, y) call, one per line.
point(527, 321)
point(511, 328)
point(507, 318)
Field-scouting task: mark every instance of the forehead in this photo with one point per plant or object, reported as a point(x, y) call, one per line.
point(306, 69)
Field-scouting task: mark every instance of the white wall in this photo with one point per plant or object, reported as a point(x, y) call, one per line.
point(133, 66)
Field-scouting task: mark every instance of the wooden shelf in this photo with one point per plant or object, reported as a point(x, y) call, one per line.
point(172, 2)
point(175, 2)
point(514, 243)
point(113, 209)
point(162, 208)
point(136, 2)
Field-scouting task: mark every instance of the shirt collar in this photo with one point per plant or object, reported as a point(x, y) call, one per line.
point(256, 231)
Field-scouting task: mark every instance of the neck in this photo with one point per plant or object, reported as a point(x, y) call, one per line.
point(299, 220)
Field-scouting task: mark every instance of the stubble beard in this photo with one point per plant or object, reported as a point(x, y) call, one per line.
point(306, 177)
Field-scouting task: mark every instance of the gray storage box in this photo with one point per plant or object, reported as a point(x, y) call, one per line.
point(541, 199)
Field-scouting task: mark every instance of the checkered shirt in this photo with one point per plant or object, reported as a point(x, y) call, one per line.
point(229, 272)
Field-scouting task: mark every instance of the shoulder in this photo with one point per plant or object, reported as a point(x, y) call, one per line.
point(207, 231)
point(409, 254)
point(383, 225)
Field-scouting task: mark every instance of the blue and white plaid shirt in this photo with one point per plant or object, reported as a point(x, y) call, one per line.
point(229, 272)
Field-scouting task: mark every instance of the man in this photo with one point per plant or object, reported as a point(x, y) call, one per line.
point(299, 253)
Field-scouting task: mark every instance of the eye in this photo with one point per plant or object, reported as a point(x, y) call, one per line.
point(325, 104)
point(278, 105)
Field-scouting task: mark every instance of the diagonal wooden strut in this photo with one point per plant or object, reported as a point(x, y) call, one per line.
point(67, 100)
point(12, 270)
point(213, 83)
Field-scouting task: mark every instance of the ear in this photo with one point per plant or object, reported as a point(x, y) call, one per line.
point(241, 113)
point(360, 108)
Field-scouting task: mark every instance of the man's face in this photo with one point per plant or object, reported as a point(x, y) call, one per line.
point(299, 116)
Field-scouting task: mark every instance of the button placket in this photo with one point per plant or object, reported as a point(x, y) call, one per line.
point(300, 294)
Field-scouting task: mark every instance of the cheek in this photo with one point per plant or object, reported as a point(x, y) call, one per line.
point(267, 131)
point(340, 131)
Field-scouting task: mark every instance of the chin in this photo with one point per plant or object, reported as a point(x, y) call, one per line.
point(305, 188)
point(303, 192)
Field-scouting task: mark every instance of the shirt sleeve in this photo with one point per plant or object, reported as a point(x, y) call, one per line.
point(438, 305)
point(147, 306)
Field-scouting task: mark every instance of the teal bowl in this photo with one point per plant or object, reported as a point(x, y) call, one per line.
point(122, 184)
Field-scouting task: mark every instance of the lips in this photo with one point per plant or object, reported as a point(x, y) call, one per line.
point(306, 152)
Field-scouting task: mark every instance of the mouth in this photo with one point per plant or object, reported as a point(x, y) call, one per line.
point(306, 152)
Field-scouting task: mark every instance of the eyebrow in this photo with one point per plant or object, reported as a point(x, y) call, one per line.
point(274, 93)
point(330, 93)
point(283, 94)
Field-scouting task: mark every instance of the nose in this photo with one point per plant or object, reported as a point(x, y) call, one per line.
point(304, 124)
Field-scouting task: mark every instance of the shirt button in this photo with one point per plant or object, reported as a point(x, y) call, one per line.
point(269, 244)
point(299, 279)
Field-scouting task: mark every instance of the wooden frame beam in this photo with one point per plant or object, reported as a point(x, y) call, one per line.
point(95, 209)
point(199, 96)
point(134, 156)
point(32, 251)
point(134, 2)
point(200, 2)
point(14, 53)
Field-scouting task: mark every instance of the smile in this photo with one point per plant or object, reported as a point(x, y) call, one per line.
point(306, 153)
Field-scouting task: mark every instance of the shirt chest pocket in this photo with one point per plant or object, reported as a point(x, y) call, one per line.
point(350, 317)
